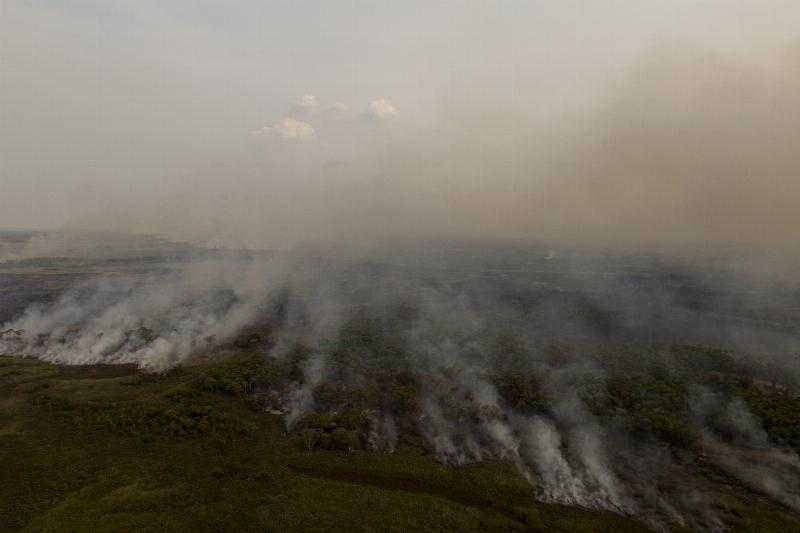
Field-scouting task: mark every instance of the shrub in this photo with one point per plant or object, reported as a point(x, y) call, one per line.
point(779, 414)
point(647, 404)
point(520, 393)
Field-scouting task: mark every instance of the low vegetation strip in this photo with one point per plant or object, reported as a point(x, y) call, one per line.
point(115, 449)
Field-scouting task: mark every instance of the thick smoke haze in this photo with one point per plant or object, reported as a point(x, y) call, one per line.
point(476, 204)
point(687, 149)
point(627, 143)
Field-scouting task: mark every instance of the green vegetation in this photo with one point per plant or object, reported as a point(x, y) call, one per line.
point(778, 412)
point(344, 431)
point(648, 404)
point(90, 449)
point(112, 449)
point(522, 393)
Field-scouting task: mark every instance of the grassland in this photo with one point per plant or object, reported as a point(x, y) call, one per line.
point(112, 449)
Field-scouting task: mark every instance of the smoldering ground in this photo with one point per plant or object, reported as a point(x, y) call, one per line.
point(574, 366)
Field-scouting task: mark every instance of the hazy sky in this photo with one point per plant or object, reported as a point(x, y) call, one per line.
point(275, 121)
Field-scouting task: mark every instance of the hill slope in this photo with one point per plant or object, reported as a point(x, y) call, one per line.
point(109, 448)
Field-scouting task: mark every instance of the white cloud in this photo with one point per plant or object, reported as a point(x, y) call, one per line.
point(288, 128)
point(309, 101)
point(382, 108)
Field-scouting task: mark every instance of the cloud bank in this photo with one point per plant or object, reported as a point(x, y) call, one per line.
point(287, 128)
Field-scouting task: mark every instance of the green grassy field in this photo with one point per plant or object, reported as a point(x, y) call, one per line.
point(112, 449)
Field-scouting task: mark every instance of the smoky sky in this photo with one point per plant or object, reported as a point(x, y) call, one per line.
point(263, 124)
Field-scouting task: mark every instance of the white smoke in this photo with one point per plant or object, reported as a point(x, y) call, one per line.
point(754, 460)
point(453, 315)
point(154, 323)
point(558, 481)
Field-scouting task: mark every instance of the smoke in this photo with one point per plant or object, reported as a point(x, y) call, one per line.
point(686, 150)
point(154, 322)
point(91, 246)
point(442, 238)
point(559, 482)
point(692, 149)
point(467, 332)
point(752, 458)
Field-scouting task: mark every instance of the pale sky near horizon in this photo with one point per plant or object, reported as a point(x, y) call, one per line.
point(106, 102)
